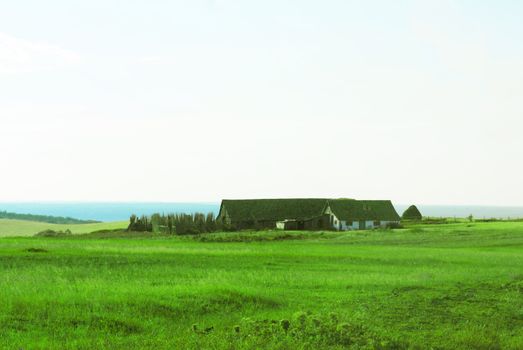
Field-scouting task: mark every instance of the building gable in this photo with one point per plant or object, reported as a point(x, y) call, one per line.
point(357, 210)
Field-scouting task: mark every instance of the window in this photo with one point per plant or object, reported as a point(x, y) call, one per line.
point(376, 223)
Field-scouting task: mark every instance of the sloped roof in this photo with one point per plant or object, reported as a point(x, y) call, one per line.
point(412, 213)
point(273, 209)
point(354, 210)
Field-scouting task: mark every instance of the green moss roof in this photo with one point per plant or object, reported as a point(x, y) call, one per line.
point(412, 213)
point(306, 208)
point(354, 210)
point(273, 209)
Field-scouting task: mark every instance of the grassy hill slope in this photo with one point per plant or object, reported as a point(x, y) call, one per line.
point(10, 227)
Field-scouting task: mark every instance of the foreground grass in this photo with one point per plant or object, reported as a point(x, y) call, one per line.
point(444, 287)
point(10, 227)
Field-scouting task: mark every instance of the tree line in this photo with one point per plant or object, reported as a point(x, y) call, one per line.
point(179, 223)
point(44, 218)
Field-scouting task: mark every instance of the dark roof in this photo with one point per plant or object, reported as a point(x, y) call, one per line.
point(273, 209)
point(412, 213)
point(354, 210)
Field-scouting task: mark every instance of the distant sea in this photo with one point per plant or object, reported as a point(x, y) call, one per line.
point(121, 211)
point(107, 211)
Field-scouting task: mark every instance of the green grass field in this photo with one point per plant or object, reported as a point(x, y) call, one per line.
point(441, 286)
point(29, 228)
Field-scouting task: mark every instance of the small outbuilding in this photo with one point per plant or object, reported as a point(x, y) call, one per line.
point(351, 214)
point(412, 213)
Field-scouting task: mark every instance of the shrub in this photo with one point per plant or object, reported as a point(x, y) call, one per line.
point(300, 318)
point(393, 225)
point(37, 250)
point(488, 220)
point(435, 221)
point(317, 331)
point(52, 233)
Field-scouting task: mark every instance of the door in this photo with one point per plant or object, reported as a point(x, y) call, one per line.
point(362, 225)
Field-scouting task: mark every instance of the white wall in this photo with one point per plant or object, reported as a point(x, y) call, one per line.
point(335, 222)
point(354, 226)
point(369, 224)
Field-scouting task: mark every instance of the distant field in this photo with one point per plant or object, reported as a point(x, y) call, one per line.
point(29, 228)
point(454, 286)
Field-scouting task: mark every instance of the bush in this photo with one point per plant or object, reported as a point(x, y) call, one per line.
point(37, 250)
point(316, 331)
point(435, 221)
point(52, 233)
point(228, 228)
point(392, 225)
point(487, 220)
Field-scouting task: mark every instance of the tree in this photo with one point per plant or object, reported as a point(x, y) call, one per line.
point(210, 222)
point(132, 223)
point(179, 224)
point(170, 224)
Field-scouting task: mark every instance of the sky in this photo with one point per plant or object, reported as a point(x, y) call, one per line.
point(414, 101)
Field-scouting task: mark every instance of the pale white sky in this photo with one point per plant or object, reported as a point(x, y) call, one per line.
point(414, 101)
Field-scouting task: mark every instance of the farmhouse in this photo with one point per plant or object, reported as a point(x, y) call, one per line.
point(308, 214)
point(350, 214)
